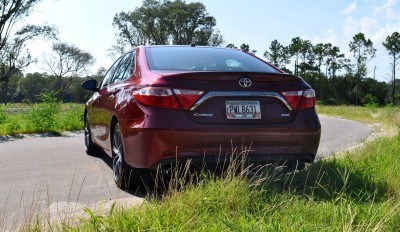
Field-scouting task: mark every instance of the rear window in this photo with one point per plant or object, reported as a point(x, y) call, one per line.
point(204, 59)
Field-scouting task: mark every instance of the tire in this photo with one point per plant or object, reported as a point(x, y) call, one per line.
point(125, 177)
point(91, 148)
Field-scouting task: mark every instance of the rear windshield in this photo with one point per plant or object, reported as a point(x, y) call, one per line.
point(204, 59)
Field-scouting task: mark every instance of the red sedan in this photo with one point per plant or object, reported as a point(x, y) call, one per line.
point(162, 105)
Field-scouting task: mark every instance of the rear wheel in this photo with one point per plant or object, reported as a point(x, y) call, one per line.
point(91, 148)
point(124, 176)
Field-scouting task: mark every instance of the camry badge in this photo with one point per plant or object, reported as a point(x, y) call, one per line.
point(202, 115)
point(245, 82)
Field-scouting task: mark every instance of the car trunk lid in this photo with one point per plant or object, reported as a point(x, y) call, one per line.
point(225, 101)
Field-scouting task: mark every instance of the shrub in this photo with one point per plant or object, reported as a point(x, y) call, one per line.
point(12, 128)
point(370, 101)
point(26, 101)
point(42, 117)
point(3, 115)
point(331, 102)
point(72, 119)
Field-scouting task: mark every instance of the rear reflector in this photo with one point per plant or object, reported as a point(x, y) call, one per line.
point(300, 99)
point(187, 97)
point(165, 98)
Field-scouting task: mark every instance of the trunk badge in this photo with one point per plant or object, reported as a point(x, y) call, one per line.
point(202, 115)
point(245, 82)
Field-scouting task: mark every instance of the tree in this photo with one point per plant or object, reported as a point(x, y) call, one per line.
point(301, 50)
point(306, 55)
point(245, 47)
point(131, 31)
point(392, 45)
point(68, 62)
point(334, 59)
point(216, 39)
point(294, 50)
point(33, 84)
point(189, 22)
point(231, 45)
point(363, 50)
point(11, 12)
point(12, 60)
point(14, 56)
point(278, 55)
point(165, 22)
point(274, 54)
point(116, 51)
point(319, 51)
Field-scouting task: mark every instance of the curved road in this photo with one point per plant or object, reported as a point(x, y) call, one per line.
point(340, 134)
point(54, 173)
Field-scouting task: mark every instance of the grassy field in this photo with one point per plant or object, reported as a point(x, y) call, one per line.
point(49, 117)
point(358, 191)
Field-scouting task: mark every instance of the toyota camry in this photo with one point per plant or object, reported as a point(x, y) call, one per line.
point(162, 105)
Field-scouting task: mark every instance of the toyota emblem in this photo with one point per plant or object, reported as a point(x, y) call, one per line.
point(245, 82)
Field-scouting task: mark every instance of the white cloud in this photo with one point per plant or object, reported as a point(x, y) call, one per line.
point(350, 8)
point(388, 10)
point(367, 25)
point(350, 27)
point(329, 37)
point(376, 25)
point(387, 5)
point(380, 35)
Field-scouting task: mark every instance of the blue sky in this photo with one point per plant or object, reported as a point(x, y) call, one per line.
point(88, 24)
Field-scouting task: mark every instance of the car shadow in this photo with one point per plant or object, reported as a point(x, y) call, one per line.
point(323, 180)
point(156, 183)
point(137, 191)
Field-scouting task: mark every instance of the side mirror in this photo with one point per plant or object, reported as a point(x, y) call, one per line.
point(90, 85)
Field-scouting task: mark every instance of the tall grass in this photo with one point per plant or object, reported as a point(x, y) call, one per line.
point(49, 116)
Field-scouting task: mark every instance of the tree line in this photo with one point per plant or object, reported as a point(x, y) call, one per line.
point(337, 79)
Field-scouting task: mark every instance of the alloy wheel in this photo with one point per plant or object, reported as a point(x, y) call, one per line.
point(87, 133)
point(117, 159)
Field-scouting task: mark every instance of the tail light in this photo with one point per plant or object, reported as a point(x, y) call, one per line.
point(300, 99)
point(187, 97)
point(308, 100)
point(167, 98)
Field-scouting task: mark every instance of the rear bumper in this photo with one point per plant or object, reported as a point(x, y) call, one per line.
point(149, 148)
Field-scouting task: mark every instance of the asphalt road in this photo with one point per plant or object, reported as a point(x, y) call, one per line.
point(54, 173)
point(340, 134)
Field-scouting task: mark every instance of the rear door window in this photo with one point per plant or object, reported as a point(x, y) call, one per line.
point(125, 68)
point(108, 77)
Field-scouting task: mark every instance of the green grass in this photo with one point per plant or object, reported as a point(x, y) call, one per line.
point(358, 191)
point(40, 118)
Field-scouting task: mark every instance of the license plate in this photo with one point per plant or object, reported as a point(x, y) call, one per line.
point(243, 109)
